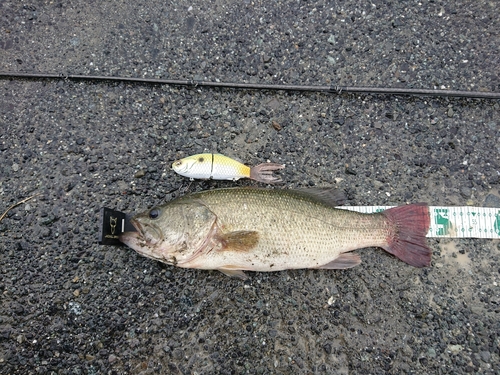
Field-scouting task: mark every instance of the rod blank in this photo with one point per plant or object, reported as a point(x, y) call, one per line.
point(258, 86)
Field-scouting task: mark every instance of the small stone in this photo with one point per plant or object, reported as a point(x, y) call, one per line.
point(465, 192)
point(327, 347)
point(351, 171)
point(455, 349)
point(492, 201)
point(15, 167)
point(177, 353)
point(69, 186)
point(276, 126)
point(274, 104)
point(339, 120)
point(431, 352)
point(140, 174)
point(492, 125)
point(331, 39)
point(407, 350)
point(76, 293)
point(485, 356)
point(112, 358)
point(450, 112)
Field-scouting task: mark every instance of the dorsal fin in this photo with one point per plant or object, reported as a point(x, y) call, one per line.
point(327, 195)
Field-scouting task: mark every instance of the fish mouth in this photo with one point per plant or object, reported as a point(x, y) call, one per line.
point(141, 234)
point(142, 241)
point(137, 226)
point(148, 233)
point(132, 236)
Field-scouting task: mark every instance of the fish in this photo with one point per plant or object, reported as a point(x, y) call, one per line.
point(220, 167)
point(256, 229)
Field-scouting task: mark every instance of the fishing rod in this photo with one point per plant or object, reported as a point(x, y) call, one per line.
point(259, 86)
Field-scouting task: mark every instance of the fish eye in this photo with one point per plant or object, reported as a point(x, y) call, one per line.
point(154, 213)
point(178, 163)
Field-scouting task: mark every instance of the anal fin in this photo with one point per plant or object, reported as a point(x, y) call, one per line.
point(345, 260)
point(234, 273)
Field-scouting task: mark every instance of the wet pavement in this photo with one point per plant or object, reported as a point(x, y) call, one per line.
point(71, 306)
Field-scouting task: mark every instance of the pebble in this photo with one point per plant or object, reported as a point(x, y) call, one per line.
point(276, 125)
point(455, 349)
point(140, 174)
point(492, 201)
point(485, 356)
point(492, 125)
point(15, 167)
point(465, 192)
point(431, 352)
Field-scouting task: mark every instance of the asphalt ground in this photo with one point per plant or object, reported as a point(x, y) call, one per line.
point(71, 306)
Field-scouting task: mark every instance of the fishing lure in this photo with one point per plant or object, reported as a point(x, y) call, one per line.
point(220, 167)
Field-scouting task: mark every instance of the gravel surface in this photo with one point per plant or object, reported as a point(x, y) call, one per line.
point(71, 306)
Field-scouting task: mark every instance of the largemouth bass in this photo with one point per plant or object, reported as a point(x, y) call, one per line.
point(238, 229)
point(220, 167)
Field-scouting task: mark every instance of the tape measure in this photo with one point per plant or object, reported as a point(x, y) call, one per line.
point(453, 222)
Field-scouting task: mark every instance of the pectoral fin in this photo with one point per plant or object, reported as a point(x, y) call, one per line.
point(234, 273)
point(346, 260)
point(243, 240)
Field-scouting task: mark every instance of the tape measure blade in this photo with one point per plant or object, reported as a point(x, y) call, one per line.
point(453, 222)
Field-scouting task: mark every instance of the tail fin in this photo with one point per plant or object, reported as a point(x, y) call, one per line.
point(407, 241)
point(264, 172)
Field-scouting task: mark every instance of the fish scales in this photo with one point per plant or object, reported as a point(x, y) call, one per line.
point(239, 229)
point(294, 230)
